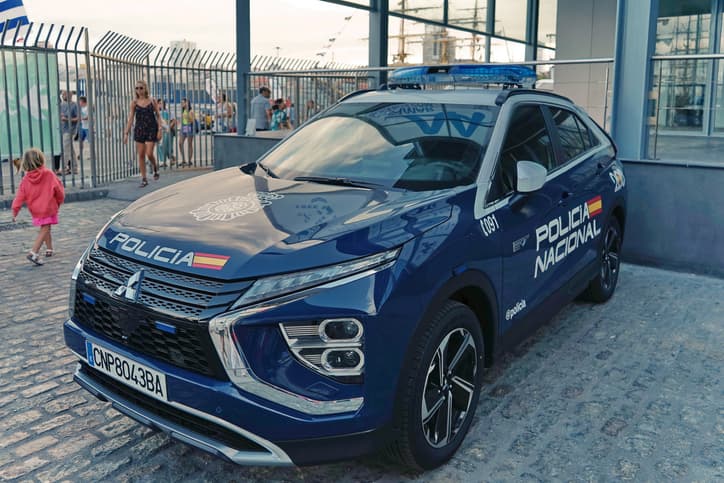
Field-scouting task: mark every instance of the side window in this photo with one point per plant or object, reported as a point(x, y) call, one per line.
point(575, 137)
point(527, 139)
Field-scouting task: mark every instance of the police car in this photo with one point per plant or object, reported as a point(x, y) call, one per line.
point(345, 293)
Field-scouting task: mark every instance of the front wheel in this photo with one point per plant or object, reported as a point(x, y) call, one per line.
point(601, 288)
point(439, 389)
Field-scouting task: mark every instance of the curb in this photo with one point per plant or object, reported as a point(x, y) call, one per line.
point(70, 197)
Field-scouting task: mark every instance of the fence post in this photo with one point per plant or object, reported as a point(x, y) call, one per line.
point(91, 114)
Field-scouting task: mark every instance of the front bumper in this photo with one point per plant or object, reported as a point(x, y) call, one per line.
point(246, 448)
point(217, 417)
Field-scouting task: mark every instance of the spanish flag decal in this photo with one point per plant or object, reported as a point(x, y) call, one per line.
point(595, 206)
point(208, 260)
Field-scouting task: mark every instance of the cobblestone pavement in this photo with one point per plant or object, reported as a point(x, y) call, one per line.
point(629, 390)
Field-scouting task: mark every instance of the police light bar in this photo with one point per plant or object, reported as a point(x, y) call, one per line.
point(516, 75)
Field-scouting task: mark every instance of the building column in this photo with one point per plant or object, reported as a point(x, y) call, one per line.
point(379, 37)
point(243, 63)
point(635, 42)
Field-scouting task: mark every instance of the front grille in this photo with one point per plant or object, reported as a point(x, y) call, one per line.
point(189, 347)
point(193, 423)
point(183, 302)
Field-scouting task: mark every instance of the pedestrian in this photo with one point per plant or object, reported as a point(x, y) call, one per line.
point(292, 112)
point(312, 109)
point(147, 129)
point(69, 125)
point(43, 193)
point(223, 114)
point(83, 134)
point(261, 110)
point(187, 132)
point(168, 127)
point(280, 119)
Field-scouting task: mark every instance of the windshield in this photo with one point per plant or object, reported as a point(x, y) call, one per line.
point(410, 146)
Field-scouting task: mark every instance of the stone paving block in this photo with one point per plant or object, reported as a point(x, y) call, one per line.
point(22, 468)
point(602, 392)
point(35, 445)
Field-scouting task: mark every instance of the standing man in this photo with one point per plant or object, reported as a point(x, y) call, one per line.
point(68, 124)
point(261, 110)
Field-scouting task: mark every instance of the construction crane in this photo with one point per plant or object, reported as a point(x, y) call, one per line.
point(327, 48)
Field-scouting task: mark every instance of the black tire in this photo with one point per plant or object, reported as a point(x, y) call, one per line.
point(416, 443)
point(602, 287)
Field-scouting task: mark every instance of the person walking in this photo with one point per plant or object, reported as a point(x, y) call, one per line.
point(147, 129)
point(84, 133)
point(187, 132)
point(223, 114)
point(261, 110)
point(43, 193)
point(168, 128)
point(68, 124)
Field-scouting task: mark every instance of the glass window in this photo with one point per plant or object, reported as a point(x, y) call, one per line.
point(409, 146)
point(527, 140)
point(427, 9)
point(510, 18)
point(547, 11)
point(472, 14)
point(574, 135)
point(506, 51)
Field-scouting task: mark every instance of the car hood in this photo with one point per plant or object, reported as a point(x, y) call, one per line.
point(232, 225)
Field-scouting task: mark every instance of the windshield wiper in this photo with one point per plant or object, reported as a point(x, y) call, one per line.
point(338, 181)
point(267, 170)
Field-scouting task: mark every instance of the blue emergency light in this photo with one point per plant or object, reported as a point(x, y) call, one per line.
point(507, 75)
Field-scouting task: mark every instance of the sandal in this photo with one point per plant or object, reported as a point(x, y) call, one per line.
point(48, 253)
point(144, 183)
point(155, 176)
point(34, 258)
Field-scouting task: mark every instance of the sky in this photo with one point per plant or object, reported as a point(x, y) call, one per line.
point(300, 28)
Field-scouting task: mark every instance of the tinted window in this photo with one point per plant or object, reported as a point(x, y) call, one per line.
point(411, 146)
point(527, 139)
point(573, 133)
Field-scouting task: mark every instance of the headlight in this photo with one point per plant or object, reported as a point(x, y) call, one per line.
point(105, 227)
point(79, 266)
point(271, 287)
point(74, 279)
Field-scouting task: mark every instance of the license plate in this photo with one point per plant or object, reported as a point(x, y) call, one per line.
point(126, 370)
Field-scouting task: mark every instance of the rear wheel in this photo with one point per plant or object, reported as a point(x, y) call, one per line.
point(602, 287)
point(440, 388)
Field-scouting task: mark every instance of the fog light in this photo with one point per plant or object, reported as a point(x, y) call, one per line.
point(340, 330)
point(340, 360)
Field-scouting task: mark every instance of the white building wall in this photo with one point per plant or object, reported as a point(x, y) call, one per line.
point(585, 29)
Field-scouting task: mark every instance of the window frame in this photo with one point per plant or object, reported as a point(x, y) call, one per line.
point(506, 129)
point(594, 140)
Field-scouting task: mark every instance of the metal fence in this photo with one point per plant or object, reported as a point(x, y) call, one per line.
point(43, 63)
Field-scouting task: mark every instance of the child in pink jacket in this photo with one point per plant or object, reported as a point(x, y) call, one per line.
point(41, 190)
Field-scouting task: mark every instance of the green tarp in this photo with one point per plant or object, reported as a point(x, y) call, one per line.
point(29, 111)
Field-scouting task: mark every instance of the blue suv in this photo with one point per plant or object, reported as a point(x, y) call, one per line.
point(345, 293)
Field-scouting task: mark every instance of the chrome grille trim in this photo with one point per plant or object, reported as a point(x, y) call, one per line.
point(132, 266)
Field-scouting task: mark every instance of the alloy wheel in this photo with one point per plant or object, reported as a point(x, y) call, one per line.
point(449, 387)
point(610, 262)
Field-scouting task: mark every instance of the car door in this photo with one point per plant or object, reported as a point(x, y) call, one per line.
point(580, 160)
point(529, 275)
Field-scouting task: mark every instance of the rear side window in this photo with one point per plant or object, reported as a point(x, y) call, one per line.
point(527, 139)
point(575, 137)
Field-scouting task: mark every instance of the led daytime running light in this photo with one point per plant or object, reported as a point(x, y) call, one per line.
point(277, 285)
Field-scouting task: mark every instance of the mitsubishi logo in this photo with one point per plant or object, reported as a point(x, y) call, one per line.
point(132, 288)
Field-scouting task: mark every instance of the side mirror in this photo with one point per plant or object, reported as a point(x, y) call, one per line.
point(531, 176)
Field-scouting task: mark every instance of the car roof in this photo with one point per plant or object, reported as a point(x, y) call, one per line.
point(485, 97)
point(474, 96)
